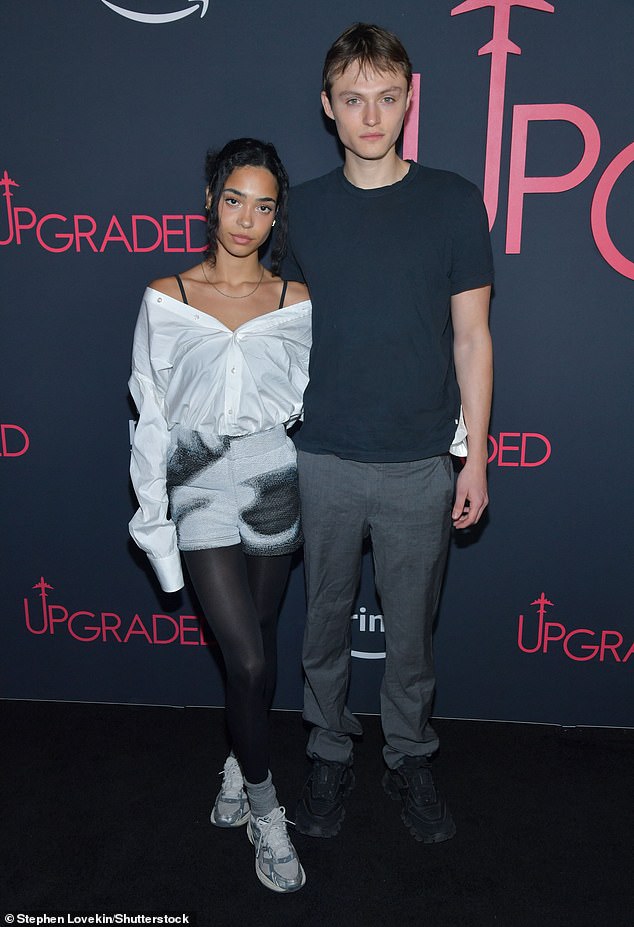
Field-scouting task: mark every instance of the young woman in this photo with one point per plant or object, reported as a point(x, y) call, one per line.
point(220, 362)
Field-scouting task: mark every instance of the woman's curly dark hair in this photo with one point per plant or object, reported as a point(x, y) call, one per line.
point(246, 152)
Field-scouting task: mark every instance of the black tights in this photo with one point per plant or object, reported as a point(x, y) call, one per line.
point(240, 596)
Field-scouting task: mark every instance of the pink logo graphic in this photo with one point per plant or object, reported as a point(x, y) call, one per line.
point(579, 644)
point(499, 48)
point(519, 449)
point(520, 185)
point(56, 233)
point(14, 441)
point(108, 627)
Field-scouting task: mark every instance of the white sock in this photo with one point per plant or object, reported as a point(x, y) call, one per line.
point(262, 796)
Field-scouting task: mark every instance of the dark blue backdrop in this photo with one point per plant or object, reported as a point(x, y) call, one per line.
point(107, 116)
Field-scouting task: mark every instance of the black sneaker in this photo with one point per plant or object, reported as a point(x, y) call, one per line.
point(320, 810)
point(425, 812)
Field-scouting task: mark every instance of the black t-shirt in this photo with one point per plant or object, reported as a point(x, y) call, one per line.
point(381, 266)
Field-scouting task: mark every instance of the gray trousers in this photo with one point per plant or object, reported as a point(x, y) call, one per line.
point(406, 510)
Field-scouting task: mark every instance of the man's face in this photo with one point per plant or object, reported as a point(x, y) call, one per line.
point(368, 108)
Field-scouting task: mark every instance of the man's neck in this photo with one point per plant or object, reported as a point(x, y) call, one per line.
point(368, 175)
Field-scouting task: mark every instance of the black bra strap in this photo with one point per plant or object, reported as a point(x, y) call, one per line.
point(283, 296)
point(182, 289)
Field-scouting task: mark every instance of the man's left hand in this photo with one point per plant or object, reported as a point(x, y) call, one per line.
point(471, 496)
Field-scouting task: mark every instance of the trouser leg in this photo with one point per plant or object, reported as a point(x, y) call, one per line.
point(332, 495)
point(410, 527)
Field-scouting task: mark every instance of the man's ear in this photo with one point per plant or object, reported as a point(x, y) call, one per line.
point(325, 102)
point(410, 96)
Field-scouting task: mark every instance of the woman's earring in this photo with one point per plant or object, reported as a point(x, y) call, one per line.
point(273, 223)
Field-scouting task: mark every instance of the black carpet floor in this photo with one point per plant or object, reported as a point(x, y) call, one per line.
point(108, 811)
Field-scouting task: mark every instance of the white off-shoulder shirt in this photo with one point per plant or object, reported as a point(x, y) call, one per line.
point(189, 369)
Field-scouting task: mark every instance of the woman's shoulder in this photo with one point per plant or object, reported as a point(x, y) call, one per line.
point(166, 285)
point(296, 293)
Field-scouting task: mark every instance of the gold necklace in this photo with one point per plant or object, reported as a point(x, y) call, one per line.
point(228, 295)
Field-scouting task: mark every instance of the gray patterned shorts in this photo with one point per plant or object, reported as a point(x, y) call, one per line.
point(234, 490)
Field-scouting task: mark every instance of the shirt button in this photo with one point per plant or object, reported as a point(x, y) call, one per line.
point(233, 370)
point(159, 299)
point(196, 316)
point(230, 411)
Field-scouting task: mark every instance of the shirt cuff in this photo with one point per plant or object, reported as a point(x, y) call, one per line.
point(169, 572)
point(459, 446)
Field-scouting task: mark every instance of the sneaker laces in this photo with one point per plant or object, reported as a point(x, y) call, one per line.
point(273, 833)
point(326, 779)
point(232, 781)
point(421, 785)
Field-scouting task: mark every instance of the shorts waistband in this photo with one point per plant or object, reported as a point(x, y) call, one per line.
point(241, 446)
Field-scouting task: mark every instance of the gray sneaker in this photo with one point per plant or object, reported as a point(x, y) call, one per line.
point(276, 863)
point(231, 807)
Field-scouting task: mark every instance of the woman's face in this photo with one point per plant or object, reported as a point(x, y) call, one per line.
point(246, 210)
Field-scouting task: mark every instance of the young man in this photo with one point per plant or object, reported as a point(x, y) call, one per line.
point(398, 262)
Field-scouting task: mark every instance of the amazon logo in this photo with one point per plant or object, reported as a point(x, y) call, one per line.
point(183, 8)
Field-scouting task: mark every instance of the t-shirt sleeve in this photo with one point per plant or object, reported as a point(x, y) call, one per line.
point(290, 268)
point(471, 257)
